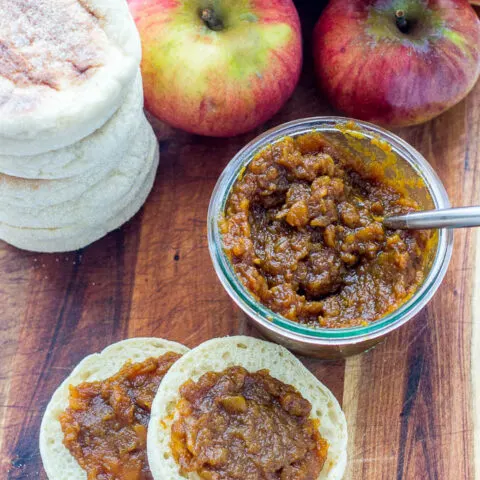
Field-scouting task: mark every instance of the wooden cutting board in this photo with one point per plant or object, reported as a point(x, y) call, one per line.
point(409, 402)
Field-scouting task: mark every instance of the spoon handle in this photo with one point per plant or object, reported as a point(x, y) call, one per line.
point(448, 218)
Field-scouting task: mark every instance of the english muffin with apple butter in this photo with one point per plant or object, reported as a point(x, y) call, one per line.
point(95, 426)
point(238, 407)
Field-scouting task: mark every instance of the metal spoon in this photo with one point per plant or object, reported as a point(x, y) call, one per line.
point(447, 218)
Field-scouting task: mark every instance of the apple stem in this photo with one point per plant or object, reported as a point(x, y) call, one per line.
point(401, 21)
point(211, 20)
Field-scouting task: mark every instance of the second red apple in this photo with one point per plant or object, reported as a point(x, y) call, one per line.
point(397, 62)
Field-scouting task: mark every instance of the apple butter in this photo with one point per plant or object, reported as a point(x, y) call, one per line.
point(236, 425)
point(105, 425)
point(303, 230)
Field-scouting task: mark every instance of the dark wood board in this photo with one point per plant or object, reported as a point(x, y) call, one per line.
point(409, 402)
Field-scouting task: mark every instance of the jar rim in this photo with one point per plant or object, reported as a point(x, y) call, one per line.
point(321, 335)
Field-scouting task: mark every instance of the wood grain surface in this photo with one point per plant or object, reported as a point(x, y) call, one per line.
point(409, 402)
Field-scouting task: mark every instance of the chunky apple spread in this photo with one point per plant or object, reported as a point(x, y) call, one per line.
point(105, 425)
point(303, 230)
point(235, 424)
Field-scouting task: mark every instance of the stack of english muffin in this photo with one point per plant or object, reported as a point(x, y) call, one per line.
point(77, 155)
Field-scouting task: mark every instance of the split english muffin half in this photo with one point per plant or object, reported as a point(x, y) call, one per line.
point(86, 398)
point(238, 404)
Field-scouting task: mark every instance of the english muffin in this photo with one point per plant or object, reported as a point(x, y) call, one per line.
point(96, 420)
point(85, 161)
point(238, 407)
point(65, 68)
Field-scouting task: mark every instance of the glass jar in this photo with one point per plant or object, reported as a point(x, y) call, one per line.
point(357, 136)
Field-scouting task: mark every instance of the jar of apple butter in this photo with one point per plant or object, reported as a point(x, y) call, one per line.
point(297, 239)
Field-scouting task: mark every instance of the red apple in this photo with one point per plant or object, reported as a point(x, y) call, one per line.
point(218, 68)
point(397, 62)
